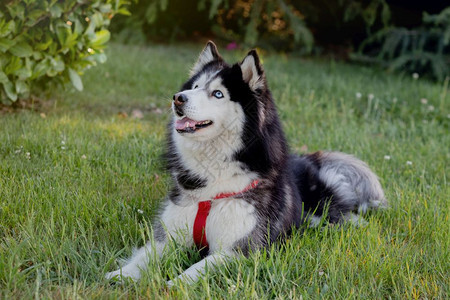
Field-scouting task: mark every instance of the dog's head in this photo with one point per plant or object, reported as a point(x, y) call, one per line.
point(219, 97)
point(224, 122)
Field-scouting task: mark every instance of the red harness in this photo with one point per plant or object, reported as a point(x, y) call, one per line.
point(204, 207)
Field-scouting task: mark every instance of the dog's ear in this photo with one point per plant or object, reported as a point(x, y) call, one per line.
point(208, 55)
point(252, 71)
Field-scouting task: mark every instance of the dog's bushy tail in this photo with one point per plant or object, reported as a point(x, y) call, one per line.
point(337, 185)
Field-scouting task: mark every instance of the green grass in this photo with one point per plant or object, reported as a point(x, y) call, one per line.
point(86, 192)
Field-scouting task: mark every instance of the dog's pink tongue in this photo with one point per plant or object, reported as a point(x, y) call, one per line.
point(183, 123)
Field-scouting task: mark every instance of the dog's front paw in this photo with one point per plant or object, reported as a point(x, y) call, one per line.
point(170, 284)
point(116, 275)
point(122, 275)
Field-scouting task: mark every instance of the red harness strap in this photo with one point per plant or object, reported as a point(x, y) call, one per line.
point(200, 223)
point(204, 207)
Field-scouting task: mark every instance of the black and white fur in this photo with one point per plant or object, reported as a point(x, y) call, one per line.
point(221, 142)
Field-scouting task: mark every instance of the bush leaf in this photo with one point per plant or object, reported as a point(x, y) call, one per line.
point(3, 77)
point(75, 79)
point(21, 49)
point(101, 37)
point(22, 88)
point(5, 44)
point(10, 91)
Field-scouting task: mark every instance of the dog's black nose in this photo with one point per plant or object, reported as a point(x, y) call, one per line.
point(179, 99)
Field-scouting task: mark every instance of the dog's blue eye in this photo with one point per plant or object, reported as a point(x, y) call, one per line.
point(218, 94)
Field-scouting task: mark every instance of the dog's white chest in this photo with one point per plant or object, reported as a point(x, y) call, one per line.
point(229, 220)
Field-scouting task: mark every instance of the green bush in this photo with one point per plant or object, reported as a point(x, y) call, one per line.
point(422, 50)
point(48, 43)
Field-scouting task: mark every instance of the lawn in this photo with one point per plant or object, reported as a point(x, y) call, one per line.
point(81, 178)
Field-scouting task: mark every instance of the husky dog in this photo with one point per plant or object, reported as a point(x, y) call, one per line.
point(236, 187)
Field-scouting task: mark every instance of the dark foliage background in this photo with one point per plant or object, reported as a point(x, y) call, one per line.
point(359, 30)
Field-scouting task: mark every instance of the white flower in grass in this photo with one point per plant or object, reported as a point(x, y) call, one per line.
point(19, 150)
point(63, 147)
point(358, 95)
point(448, 116)
point(140, 211)
point(387, 157)
point(424, 100)
point(232, 289)
point(63, 142)
point(430, 107)
point(415, 76)
point(83, 156)
point(394, 100)
point(370, 96)
point(409, 163)
point(28, 155)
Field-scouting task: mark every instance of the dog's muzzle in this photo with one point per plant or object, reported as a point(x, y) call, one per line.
point(179, 100)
